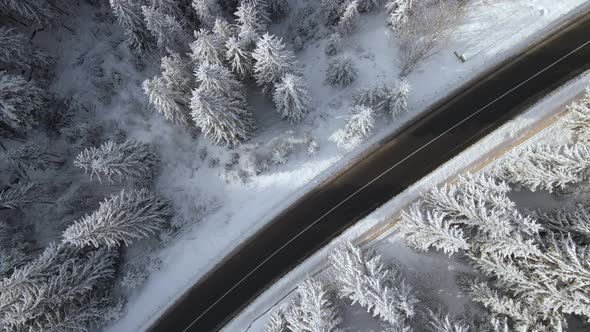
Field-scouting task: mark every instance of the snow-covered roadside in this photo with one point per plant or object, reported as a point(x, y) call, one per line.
point(207, 243)
point(537, 122)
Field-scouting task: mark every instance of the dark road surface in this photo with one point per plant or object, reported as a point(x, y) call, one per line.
point(394, 164)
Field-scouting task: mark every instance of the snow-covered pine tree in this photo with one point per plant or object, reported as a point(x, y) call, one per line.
point(16, 51)
point(171, 104)
point(368, 5)
point(22, 103)
point(312, 309)
point(168, 7)
point(291, 97)
point(423, 230)
point(364, 279)
point(393, 100)
point(207, 48)
point(341, 71)
point(574, 221)
point(207, 11)
point(222, 30)
point(128, 15)
point(249, 17)
point(17, 196)
point(220, 81)
point(273, 61)
point(546, 167)
point(349, 19)
point(178, 73)
point(360, 122)
point(165, 28)
point(119, 162)
point(223, 120)
point(239, 57)
point(331, 11)
point(399, 12)
point(278, 8)
point(334, 44)
point(578, 121)
point(397, 99)
point(37, 12)
point(276, 322)
point(440, 322)
point(123, 218)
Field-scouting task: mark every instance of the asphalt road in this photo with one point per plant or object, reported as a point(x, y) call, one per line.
point(393, 165)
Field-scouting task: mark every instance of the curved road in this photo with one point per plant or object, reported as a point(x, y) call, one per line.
point(391, 166)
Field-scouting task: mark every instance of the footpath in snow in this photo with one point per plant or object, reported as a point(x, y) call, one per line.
point(490, 32)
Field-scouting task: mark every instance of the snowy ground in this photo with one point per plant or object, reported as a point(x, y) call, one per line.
point(431, 273)
point(229, 212)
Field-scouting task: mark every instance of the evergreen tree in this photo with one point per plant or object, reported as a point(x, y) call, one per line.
point(443, 323)
point(17, 196)
point(124, 218)
point(166, 29)
point(239, 57)
point(398, 12)
point(177, 72)
point(37, 12)
point(273, 61)
point(15, 50)
point(574, 221)
point(349, 19)
point(545, 167)
point(22, 103)
point(128, 15)
point(220, 81)
point(331, 11)
point(364, 279)
point(250, 18)
point(277, 322)
point(291, 97)
point(393, 100)
point(278, 8)
point(368, 5)
point(311, 309)
point(342, 71)
point(29, 155)
point(207, 48)
point(578, 121)
point(171, 104)
point(207, 11)
point(223, 31)
point(334, 44)
point(359, 124)
point(168, 7)
point(223, 120)
point(119, 162)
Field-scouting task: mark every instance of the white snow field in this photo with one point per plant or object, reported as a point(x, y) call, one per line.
point(434, 273)
point(229, 211)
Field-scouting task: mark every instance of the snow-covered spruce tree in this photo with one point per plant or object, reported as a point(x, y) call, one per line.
point(52, 291)
point(37, 12)
point(364, 279)
point(16, 51)
point(331, 10)
point(207, 48)
point(119, 162)
point(222, 30)
point(128, 15)
point(341, 71)
point(168, 7)
point(566, 220)
point(439, 322)
point(178, 73)
point(273, 61)
point(546, 167)
point(312, 309)
point(291, 97)
point(276, 322)
point(123, 218)
point(578, 121)
point(207, 11)
point(359, 124)
point(22, 103)
point(250, 18)
point(398, 13)
point(17, 196)
point(368, 5)
point(349, 19)
point(393, 100)
point(29, 155)
point(165, 28)
point(239, 57)
point(171, 104)
point(220, 81)
point(223, 120)
point(334, 44)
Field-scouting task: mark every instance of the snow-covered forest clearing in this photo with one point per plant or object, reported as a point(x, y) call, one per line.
point(141, 140)
point(503, 249)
